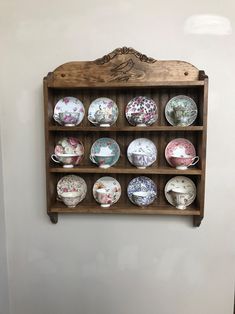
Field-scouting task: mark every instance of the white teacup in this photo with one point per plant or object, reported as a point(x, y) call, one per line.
point(140, 197)
point(140, 159)
point(104, 197)
point(68, 160)
point(180, 198)
point(103, 161)
point(71, 199)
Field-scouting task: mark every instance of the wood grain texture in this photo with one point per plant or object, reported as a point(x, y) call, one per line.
point(86, 208)
point(122, 67)
point(121, 75)
point(125, 170)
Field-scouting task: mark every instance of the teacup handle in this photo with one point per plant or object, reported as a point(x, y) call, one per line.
point(54, 158)
point(92, 159)
point(194, 161)
point(192, 112)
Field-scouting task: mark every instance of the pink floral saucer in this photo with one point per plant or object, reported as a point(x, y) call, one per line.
point(69, 111)
point(69, 145)
point(69, 151)
point(141, 111)
point(179, 147)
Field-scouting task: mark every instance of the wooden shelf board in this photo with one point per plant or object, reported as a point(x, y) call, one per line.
point(126, 170)
point(98, 85)
point(126, 128)
point(86, 208)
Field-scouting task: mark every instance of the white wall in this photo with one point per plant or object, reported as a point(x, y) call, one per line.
point(114, 264)
point(4, 297)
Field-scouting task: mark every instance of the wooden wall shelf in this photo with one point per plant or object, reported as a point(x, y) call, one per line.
point(159, 80)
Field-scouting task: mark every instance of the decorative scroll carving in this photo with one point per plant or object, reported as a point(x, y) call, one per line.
point(124, 51)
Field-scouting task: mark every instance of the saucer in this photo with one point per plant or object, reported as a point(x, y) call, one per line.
point(103, 106)
point(107, 147)
point(142, 145)
point(72, 183)
point(110, 185)
point(179, 147)
point(141, 111)
point(69, 105)
point(69, 146)
point(186, 103)
point(142, 184)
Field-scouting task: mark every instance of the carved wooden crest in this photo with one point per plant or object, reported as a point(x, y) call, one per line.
point(123, 66)
point(123, 71)
point(124, 51)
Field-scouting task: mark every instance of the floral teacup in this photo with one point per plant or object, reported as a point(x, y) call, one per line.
point(183, 163)
point(104, 197)
point(180, 198)
point(71, 199)
point(103, 161)
point(182, 115)
point(104, 118)
point(69, 118)
point(140, 159)
point(141, 198)
point(138, 119)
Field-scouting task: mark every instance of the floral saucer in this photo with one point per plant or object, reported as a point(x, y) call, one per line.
point(142, 153)
point(72, 183)
point(180, 192)
point(179, 147)
point(105, 152)
point(69, 145)
point(181, 110)
point(142, 191)
point(141, 111)
point(68, 151)
point(103, 112)
point(69, 111)
point(106, 191)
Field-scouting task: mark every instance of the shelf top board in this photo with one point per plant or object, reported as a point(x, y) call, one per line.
point(124, 67)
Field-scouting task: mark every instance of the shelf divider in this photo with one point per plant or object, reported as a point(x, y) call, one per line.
point(126, 128)
point(89, 208)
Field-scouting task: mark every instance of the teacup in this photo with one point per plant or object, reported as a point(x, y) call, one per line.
point(179, 198)
point(71, 199)
point(140, 159)
point(103, 118)
point(103, 161)
point(182, 114)
point(68, 160)
point(183, 163)
point(104, 197)
point(140, 198)
point(138, 119)
point(68, 118)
